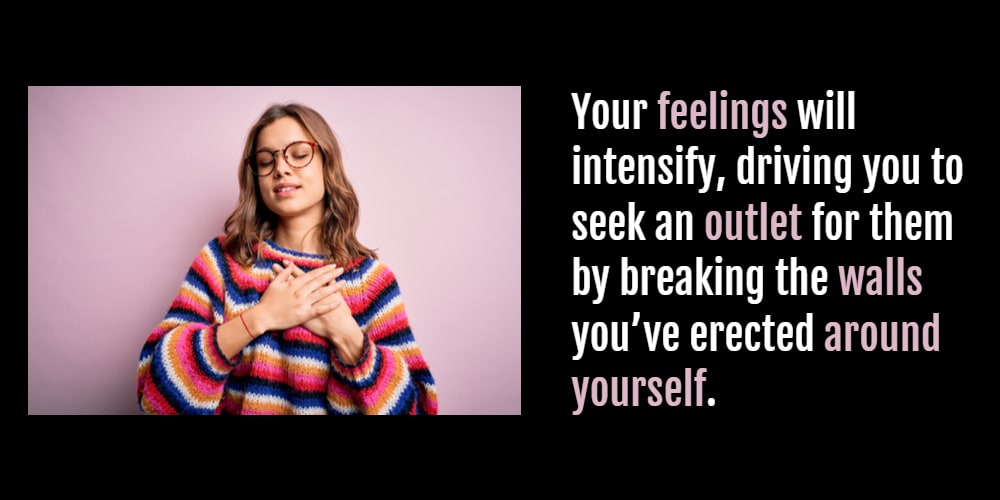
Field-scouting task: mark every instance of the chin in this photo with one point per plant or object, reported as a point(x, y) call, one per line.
point(289, 210)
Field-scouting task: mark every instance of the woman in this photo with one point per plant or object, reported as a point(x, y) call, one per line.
point(287, 312)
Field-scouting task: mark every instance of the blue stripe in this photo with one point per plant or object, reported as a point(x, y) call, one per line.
point(147, 350)
point(405, 402)
point(397, 338)
point(241, 296)
point(184, 315)
point(170, 392)
point(367, 381)
point(279, 390)
point(197, 282)
point(293, 253)
point(297, 348)
point(350, 410)
point(363, 267)
point(379, 303)
point(421, 375)
point(202, 357)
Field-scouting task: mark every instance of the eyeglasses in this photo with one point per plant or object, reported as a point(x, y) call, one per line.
point(297, 154)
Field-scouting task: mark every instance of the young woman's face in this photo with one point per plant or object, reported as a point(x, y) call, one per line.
point(288, 191)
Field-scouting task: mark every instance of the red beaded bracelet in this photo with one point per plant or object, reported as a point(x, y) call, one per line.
point(247, 328)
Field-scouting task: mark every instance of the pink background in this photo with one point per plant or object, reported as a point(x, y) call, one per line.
point(125, 184)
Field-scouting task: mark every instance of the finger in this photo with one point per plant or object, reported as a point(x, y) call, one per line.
point(284, 274)
point(329, 292)
point(296, 270)
point(326, 291)
point(317, 278)
point(337, 272)
point(327, 304)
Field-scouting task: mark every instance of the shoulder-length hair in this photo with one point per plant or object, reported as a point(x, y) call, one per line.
point(251, 222)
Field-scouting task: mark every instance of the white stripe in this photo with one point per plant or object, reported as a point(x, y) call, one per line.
point(175, 379)
point(294, 361)
point(343, 409)
point(400, 348)
point(382, 313)
point(202, 296)
point(285, 404)
point(403, 384)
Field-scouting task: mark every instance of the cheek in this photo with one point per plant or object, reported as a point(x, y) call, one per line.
point(316, 181)
point(266, 193)
point(319, 194)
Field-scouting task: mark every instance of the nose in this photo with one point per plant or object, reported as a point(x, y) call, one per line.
point(281, 165)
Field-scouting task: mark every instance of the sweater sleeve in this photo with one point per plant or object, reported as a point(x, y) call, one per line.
point(181, 367)
point(392, 376)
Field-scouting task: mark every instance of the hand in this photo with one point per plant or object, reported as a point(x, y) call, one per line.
point(291, 301)
point(337, 324)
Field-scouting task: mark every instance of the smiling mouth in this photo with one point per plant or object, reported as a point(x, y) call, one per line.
point(286, 189)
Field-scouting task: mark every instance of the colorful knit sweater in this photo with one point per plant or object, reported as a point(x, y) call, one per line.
point(182, 368)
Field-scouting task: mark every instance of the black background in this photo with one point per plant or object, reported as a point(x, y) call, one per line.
point(908, 101)
point(899, 110)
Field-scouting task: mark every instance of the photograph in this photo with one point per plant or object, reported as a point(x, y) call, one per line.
point(291, 250)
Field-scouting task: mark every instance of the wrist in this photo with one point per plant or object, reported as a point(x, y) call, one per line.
point(252, 322)
point(350, 347)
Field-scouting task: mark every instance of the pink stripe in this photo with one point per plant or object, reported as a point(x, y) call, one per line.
point(156, 401)
point(267, 251)
point(363, 370)
point(192, 303)
point(200, 385)
point(209, 275)
point(378, 278)
point(246, 280)
point(389, 326)
point(382, 383)
point(215, 357)
point(415, 362)
point(431, 404)
point(306, 381)
point(302, 334)
point(159, 332)
point(298, 380)
point(204, 386)
point(339, 390)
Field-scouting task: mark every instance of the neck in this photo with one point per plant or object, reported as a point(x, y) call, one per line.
point(299, 236)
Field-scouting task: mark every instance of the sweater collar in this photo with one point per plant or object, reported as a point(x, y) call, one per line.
point(272, 251)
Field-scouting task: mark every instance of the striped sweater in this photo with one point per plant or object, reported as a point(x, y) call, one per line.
point(182, 369)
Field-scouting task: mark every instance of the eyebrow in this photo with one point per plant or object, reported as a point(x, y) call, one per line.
point(271, 150)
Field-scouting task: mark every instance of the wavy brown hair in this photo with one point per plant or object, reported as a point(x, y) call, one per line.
point(252, 222)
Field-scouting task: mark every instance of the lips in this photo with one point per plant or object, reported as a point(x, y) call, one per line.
point(285, 189)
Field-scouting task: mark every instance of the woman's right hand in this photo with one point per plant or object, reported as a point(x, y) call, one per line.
point(291, 301)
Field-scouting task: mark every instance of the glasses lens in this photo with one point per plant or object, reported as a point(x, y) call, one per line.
point(263, 162)
point(299, 154)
